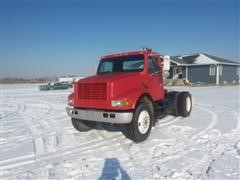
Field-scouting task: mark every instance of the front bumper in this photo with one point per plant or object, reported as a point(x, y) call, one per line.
point(100, 116)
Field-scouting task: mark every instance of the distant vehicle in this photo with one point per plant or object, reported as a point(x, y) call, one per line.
point(55, 86)
point(128, 89)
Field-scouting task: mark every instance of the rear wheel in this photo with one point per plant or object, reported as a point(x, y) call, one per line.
point(174, 97)
point(140, 127)
point(184, 104)
point(82, 125)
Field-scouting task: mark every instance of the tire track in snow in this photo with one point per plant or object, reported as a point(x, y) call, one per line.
point(212, 124)
point(29, 160)
point(24, 111)
point(8, 132)
point(181, 148)
point(167, 121)
point(236, 114)
point(107, 147)
point(43, 121)
point(47, 118)
point(29, 163)
point(195, 137)
point(20, 108)
point(205, 163)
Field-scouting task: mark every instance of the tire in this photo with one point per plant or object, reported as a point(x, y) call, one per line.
point(184, 104)
point(83, 126)
point(174, 96)
point(141, 125)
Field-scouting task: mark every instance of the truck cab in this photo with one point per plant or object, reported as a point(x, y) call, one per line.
point(127, 89)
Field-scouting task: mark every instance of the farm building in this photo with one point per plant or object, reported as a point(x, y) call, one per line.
point(203, 68)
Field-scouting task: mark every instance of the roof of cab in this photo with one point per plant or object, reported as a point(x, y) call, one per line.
point(127, 54)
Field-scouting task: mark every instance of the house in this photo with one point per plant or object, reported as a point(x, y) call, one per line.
point(203, 68)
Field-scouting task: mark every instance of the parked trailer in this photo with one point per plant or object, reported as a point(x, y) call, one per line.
point(55, 86)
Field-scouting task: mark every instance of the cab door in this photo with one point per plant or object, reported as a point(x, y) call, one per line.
point(155, 78)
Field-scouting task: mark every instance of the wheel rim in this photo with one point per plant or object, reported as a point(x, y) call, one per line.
point(143, 122)
point(188, 104)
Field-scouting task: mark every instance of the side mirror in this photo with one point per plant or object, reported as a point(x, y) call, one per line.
point(166, 63)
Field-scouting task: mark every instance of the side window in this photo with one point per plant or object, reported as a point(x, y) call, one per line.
point(212, 70)
point(153, 65)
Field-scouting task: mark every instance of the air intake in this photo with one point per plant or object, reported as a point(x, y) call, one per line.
point(92, 91)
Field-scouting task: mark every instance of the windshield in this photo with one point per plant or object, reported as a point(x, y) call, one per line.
point(121, 64)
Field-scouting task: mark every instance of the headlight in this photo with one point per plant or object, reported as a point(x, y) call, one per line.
point(70, 102)
point(71, 99)
point(122, 103)
point(117, 103)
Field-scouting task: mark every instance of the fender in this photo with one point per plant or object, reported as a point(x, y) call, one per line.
point(134, 94)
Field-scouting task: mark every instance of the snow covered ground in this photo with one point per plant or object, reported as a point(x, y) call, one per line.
point(38, 141)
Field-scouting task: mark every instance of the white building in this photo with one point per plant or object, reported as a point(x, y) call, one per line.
point(70, 79)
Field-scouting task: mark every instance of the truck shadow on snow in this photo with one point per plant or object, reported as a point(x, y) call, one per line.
point(116, 128)
point(113, 170)
point(122, 128)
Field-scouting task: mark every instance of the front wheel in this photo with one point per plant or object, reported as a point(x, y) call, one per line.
point(82, 126)
point(141, 125)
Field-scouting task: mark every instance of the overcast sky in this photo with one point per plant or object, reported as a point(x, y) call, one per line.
point(45, 38)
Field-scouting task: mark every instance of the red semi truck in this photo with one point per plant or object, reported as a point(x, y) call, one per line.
point(127, 89)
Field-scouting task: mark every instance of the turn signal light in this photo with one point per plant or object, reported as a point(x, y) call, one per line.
point(128, 102)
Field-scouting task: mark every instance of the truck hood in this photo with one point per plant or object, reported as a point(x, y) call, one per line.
point(104, 78)
point(119, 86)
